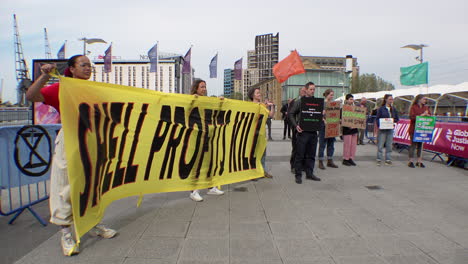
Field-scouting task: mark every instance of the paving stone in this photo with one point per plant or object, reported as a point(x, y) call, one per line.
point(208, 230)
point(251, 249)
point(291, 230)
point(250, 231)
point(360, 260)
point(157, 247)
point(299, 249)
point(345, 246)
point(206, 249)
point(417, 259)
point(330, 227)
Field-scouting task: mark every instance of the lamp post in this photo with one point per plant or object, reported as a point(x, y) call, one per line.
point(417, 47)
point(90, 41)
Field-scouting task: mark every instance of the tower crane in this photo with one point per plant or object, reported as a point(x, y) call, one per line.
point(22, 72)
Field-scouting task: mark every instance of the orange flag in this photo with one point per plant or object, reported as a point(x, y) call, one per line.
point(289, 66)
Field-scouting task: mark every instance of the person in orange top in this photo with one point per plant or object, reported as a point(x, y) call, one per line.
point(418, 108)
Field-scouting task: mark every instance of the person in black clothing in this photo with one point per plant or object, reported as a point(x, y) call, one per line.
point(349, 139)
point(284, 116)
point(294, 131)
point(306, 145)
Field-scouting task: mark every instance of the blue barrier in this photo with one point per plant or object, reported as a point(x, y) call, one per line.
point(25, 167)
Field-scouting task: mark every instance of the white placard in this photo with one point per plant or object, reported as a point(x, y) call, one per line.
point(386, 123)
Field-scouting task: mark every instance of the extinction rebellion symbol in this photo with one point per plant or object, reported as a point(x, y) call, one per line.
point(29, 160)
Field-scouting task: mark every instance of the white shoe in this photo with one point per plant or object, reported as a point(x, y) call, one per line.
point(215, 191)
point(69, 246)
point(196, 196)
point(102, 231)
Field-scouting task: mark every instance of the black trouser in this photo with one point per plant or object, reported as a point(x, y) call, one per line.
point(286, 128)
point(268, 123)
point(306, 148)
point(293, 150)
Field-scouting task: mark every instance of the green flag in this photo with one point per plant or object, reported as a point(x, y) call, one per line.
point(414, 75)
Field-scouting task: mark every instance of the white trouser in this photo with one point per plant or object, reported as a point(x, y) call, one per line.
point(59, 201)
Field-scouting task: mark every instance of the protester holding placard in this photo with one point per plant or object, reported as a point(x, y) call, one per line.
point(418, 108)
point(79, 66)
point(199, 89)
point(349, 138)
point(256, 97)
point(324, 141)
point(306, 145)
point(294, 131)
point(386, 117)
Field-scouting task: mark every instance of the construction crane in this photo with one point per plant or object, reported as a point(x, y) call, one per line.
point(48, 54)
point(22, 72)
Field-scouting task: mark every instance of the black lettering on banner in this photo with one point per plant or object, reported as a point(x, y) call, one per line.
point(239, 143)
point(235, 132)
point(100, 154)
point(253, 158)
point(169, 156)
point(245, 158)
point(158, 139)
point(208, 122)
point(220, 124)
point(84, 125)
point(184, 167)
point(227, 120)
point(120, 171)
point(116, 110)
point(132, 169)
point(210, 167)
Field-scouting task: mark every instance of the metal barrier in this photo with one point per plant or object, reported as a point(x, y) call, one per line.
point(14, 116)
point(25, 168)
point(371, 129)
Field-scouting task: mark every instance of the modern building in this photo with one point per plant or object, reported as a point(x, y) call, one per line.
point(266, 55)
point(168, 78)
point(326, 72)
point(251, 76)
point(228, 82)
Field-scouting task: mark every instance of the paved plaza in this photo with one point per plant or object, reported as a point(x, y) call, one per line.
point(411, 216)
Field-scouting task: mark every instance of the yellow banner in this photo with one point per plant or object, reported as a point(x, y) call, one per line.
point(122, 141)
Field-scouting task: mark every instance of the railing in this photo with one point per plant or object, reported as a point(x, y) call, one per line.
point(11, 116)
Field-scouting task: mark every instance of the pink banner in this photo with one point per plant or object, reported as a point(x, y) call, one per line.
point(448, 138)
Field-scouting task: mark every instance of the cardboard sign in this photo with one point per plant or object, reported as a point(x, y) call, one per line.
point(332, 119)
point(386, 123)
point(424, 128)
point(354, 116)
point(311, 113)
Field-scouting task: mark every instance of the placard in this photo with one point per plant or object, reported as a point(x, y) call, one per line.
point(424, 128)
point(354, 116)
point(332, 119)
point(386, 123)
point(311, 113)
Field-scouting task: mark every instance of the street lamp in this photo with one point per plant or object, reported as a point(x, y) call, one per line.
point(417, 47)
point(90, 41)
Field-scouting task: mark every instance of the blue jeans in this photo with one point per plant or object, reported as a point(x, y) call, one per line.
point(325, 142)
point(385, 138)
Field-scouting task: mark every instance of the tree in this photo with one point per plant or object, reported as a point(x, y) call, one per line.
point(369, 82)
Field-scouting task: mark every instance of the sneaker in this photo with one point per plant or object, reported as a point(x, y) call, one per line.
point(69, 246)
point(298, 180)
point(379, 163)
point(102, 231)
point(268, 175)
point(411, 164)
point(196, 196)
point(388, 162)
point(347, 163)
point(215, 191)
point(420, 165)
point(352, 162)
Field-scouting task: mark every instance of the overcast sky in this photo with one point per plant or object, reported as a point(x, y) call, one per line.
point(371, 30)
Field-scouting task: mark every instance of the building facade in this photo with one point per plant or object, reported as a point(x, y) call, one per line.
point(326, 73)
point(271, 89)
point(136, 73)
point(228, 82)
point(266, 55)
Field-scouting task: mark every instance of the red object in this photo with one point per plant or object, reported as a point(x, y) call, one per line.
point(415, 111)
point(51, 96)
point(289, 66)
point(448, 138)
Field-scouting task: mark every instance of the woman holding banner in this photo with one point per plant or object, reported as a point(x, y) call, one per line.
point(349, 139)
point(79, 66)
point(256, 97)
point(386, 117)
point(329, 143)
point(199, 89)
point(418, 108)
